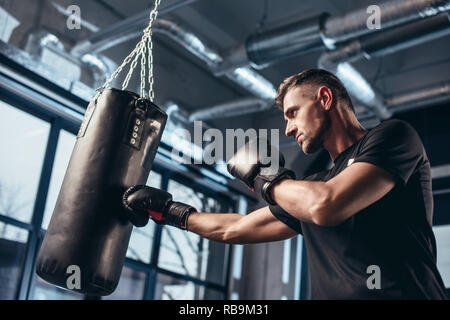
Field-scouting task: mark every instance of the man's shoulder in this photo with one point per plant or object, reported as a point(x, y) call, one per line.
point(393, 125)
point(392, 131)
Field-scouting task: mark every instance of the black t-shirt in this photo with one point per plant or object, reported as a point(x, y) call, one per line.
point(393, 234)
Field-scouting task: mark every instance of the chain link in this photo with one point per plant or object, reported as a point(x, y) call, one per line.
point(153, 16)
point(143, 47)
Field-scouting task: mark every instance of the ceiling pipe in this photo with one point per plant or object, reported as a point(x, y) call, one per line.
point(420, 98)
point(39, 39)
point(99, 67)
point(305, 36)
point(232, 108)
point(122, 31)
point(393, 13)
point(358, 87)
point(390, 41)
point(284, 42)
point(325, 31)
point(415, 99)
point(245, 77)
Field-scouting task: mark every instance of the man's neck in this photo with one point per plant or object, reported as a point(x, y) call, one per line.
point(342, 135)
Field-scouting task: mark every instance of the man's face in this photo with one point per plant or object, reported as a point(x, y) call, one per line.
point(307, 120)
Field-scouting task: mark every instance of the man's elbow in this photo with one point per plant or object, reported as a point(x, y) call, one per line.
point(323, 218)
point(322, 212)
point(233, 235)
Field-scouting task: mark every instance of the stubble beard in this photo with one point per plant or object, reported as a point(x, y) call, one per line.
point(313, 144)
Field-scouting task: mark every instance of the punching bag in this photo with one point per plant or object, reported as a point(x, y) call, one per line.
point(85, 244)
point(115, 149)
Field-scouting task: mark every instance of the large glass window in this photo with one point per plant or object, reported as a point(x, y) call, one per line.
point(170, 288)
point(187, 253)
point(442, 234)
point(23, 148)
point(12, 252)
point(181, 252)
point(142, 238)
point(131, 286)
point(44, 291)
point(66, 142)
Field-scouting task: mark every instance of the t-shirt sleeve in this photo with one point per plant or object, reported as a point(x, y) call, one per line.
point(394, 146)
point(286, 218)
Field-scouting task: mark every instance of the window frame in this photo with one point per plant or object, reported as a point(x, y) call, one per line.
point(25, 96)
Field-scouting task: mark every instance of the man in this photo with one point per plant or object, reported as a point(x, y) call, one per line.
point(371, 212)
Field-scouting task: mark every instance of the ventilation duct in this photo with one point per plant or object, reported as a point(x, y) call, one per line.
point(245, 77)
point(40, 39)
point(415, 99)
point(392, 13)
point(100, 68)
point(386, 42)
point(325, 31)
point(54, 63)
point(123, 31)
point(420, 98)
point(392, 40)
point(287, 41)
point(304, 36)
point(232, 108)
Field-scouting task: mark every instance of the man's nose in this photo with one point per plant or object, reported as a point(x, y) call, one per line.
point(290, 129)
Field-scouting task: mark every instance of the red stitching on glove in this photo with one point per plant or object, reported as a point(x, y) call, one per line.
point(158, 216)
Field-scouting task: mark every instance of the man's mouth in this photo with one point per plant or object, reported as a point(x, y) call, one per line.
point(299, 141)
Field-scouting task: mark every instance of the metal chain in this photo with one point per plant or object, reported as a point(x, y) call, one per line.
point(144, 52)
point(151, 93)
point(143, 47)
point(133, 64)
point(153, 16)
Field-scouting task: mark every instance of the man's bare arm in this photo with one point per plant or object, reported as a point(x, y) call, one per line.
point(257, 226)
point(332, 202)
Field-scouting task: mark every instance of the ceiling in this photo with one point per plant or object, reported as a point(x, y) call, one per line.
point(225, 24)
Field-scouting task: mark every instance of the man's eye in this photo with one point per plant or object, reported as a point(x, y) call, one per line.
point(291, 113)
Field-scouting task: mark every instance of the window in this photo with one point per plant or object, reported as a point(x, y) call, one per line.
point(131, 286)
point(442, 234)
point(45, 291)
point(170, 288)
point(142, 238)
point(23, 147)
point(66, 142)
point(201, 263)
point(12, 252)
point(187, 253)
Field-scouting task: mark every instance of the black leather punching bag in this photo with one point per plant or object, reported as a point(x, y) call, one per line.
point(115, 149)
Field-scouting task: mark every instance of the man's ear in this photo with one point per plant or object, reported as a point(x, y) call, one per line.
point(325, 96)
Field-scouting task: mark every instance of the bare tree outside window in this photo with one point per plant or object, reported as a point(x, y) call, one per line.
point(185, 252)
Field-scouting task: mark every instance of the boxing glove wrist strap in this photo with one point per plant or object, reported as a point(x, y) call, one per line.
point(265, 183)
point(177, 214)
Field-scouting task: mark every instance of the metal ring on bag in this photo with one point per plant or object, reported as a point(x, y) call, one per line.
point(141, 103)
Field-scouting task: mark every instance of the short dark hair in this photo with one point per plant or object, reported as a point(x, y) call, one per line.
point(315, 77)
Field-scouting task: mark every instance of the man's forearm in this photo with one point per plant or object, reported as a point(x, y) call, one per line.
point(302, 199)
point(214, 226)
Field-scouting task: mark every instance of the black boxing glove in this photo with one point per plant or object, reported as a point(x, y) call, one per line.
point(143, 202)
point(247, 166)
